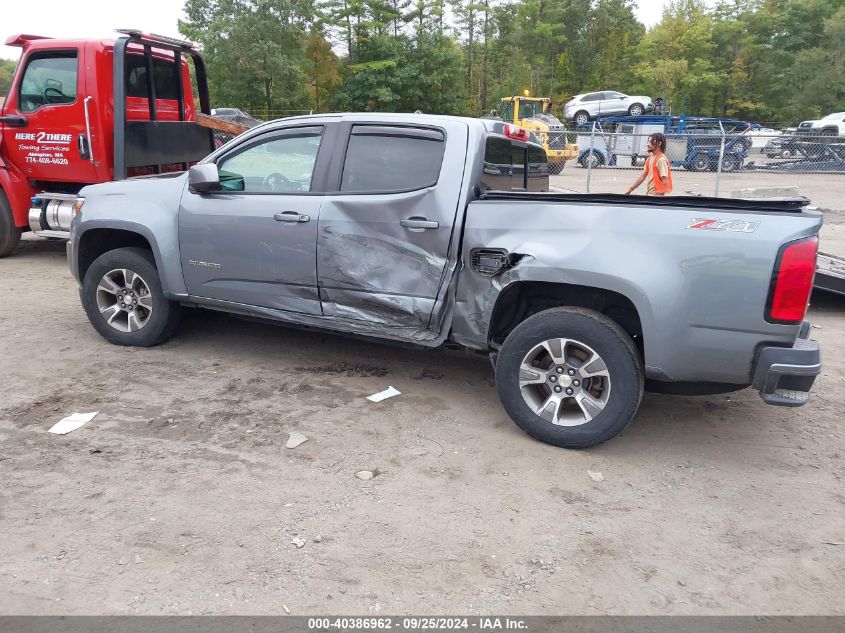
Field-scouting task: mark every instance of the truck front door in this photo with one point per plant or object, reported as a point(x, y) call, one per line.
point(383, 244)
point(49, 141)
point(255, 241)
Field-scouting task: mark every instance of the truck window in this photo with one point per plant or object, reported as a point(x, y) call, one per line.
point(381, 159)
point(49, 79)
point(504, 164)
point(166, 83)
point(538, 169)
point(274, 165)
point(528, 109)
point(507, 115)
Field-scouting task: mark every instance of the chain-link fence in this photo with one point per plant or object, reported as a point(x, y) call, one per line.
point(221, 137)
point(703, 158)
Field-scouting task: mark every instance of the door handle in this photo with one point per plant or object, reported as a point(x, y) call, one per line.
point(419, 224)
point(14, 120)
point(291, 216)
point(83, 147)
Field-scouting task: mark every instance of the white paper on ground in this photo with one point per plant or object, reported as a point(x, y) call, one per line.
point(72, 422)
point(384, 395)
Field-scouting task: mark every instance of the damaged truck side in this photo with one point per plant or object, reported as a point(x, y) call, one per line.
point(434, 231)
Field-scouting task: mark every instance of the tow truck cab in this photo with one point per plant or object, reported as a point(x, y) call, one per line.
point(80, 112)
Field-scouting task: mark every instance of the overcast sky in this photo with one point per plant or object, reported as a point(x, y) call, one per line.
point(97, 18)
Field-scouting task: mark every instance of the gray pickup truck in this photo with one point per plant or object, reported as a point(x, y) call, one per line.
point(441, 231)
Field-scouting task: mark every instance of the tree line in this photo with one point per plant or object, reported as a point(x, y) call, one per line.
point(764, 60)
point(777, 61)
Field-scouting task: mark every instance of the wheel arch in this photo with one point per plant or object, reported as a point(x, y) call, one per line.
point(522, 299)
point(97, 240)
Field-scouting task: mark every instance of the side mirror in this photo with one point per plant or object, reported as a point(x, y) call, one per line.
point(203, 178)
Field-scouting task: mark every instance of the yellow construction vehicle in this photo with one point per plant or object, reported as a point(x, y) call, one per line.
point(535, 114)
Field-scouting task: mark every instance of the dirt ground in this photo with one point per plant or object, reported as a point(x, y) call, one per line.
point(181, 498)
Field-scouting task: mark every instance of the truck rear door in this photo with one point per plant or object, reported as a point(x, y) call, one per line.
point(49, 96)
point(384, 233)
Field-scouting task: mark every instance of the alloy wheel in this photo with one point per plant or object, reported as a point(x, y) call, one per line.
point(124, 300)
point(564, 381)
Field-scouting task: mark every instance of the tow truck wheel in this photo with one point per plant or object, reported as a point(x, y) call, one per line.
point(570, 377)
point(124, 300)
point(10, 234)
point(555, 168)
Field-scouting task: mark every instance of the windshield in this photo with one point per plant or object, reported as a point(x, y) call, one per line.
point(528, 109)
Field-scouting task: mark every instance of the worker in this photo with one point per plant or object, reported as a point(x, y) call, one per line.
point(657, 169)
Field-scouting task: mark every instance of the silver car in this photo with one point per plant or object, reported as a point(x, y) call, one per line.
point(583, 108)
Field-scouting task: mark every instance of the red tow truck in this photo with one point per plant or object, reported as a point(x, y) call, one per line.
point(80, 112)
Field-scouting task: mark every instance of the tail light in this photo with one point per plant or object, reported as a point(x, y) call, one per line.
point(792, 281)
point(516, 133)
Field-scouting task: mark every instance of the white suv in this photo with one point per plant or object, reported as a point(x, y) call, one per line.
point(831, 125)
point(582, 108)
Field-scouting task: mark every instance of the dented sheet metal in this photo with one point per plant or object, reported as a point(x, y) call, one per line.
point(699, 296)
point(373, 267)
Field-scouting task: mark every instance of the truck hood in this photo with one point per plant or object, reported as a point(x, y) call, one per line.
point(140, 186)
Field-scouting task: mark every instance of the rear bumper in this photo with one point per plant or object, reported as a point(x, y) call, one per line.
point(785, 375)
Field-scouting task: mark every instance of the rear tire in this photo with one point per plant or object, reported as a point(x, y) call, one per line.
point(128, 277)
point(10, 234)
point(531, 366)
point(731, 163)
point(591, 157)
point(582, 118)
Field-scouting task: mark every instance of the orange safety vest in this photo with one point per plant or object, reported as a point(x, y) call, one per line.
point(651, 167)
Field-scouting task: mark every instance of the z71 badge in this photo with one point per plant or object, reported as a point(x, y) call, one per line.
point(737, 226)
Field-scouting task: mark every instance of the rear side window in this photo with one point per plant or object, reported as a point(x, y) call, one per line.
point(383, 159)
point(49, 79)
point(593, 96)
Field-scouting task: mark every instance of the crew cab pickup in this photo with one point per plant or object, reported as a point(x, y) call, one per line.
point(435, 231)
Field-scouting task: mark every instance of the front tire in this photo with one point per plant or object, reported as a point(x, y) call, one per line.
point(124, 300)
point(10, 234)
point(699, 163)
point(636, 110)
point(570, 377)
